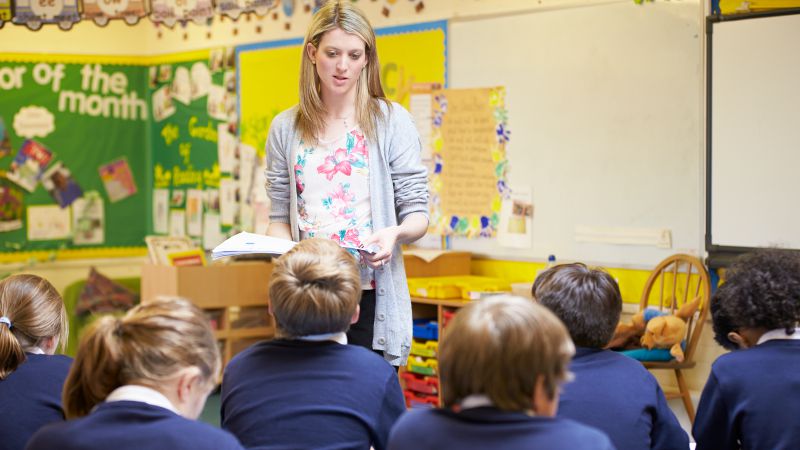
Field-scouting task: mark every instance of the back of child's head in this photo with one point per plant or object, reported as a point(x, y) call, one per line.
point(31, 311)
point(148, 345)
point(761, 290)
point(315, 289)
point(586, 299)
point(500, 347)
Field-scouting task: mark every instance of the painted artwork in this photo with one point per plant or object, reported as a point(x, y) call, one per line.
point(12, 206)
point(118, 180)
point(58, 181)
point(88, 220)
point(5, 140)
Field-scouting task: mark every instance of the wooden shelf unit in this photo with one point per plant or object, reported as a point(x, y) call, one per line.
point(235, 297)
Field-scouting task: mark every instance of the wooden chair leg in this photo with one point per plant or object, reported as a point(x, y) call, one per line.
point(687, 399)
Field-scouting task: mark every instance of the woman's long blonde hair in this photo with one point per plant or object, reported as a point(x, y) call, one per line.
point(149, 344)
point(36, 312)
point(310, 118)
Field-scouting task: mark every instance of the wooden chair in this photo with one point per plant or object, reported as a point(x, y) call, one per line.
point(677, 280)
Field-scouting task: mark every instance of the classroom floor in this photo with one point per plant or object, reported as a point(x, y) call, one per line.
point(211, 411)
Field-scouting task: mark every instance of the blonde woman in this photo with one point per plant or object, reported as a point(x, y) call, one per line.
point(139, 382)
point(33, 323)
point(344, 164)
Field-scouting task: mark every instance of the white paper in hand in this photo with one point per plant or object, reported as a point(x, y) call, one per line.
point(246, 243)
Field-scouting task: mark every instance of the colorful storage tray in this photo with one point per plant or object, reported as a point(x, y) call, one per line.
point(426, 329)
point(420, 400)
point(464, 287)
point(421, 384)
point(423, 366)
point(428, 349)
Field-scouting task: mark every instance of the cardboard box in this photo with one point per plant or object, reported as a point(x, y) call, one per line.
point(429, 263)
point(215, 286)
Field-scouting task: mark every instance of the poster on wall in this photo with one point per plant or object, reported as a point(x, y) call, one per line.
point(5, 140)
point(88, 219)
point(11, 206)
point(468, 183)
point(48, 222)
point(118, 180)
point(58, 181)
point(29, 164)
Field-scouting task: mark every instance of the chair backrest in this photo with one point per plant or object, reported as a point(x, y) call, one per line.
point(675, 281)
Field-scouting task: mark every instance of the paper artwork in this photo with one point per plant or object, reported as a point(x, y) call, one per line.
point(516, 219)
point(217, 107)
point(29, 164)
point(177, 222)
point(177, 199)
point(118, 180)
point(226, 148)
point(163, 106)
point(212, 235)
point(229, 201)
point(58, 181)
point(160, 211)
point(11, 206)
point(48, 222)
point(194, 212)
point(201, 80)
point(88, 219)
point(5, 140)
point(182, 86)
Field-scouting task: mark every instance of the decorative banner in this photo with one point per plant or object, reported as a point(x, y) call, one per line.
point(265, 91)
point(235, 8)
point(468, 182)
point(170, 12)
point(34, 13)
point(5, 12)
point(101, 11)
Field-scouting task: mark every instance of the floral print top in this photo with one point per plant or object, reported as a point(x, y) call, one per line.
point(333, 194)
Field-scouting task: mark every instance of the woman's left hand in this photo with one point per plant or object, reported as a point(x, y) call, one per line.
point(385, 239)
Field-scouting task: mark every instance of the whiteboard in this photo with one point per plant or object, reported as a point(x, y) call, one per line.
point(604, 105)
point(754, 133)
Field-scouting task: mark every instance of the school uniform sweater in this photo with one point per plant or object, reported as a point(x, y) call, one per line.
point(617, 395)
point(490, 428)
point(293, 394)
point(751, 398)
point(30, 397)
point(132, 425)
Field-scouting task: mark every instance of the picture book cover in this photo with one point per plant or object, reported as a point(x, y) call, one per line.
point(118, 180)
point(29, 164)
point(59, 183)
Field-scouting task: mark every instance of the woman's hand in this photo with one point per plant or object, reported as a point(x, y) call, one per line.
point(385, 240)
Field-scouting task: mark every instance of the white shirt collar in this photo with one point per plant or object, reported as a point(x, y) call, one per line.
point(476, 401)
point(35, 350)
point(340, 337)
point(776, 334)
point(136, 393)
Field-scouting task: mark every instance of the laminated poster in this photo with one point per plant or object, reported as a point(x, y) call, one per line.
point(58, 181)
point(48, 222)
point(11, 206)
point(118, 180)
point(29, 164)
point(88, 219)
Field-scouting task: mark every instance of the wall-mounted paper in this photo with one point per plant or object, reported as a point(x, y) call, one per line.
point(160, 211)
point(48, 222)
point(516, 219)
point(118, 180)
point(194, 212)
point(229, 201)
point(177, 222)
point(88, 219)
point(58, 181)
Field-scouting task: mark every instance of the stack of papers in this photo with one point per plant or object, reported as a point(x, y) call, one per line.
point(246, 243)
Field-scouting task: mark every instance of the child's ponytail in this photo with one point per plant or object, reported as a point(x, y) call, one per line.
point(11, 353)
point(96, 370)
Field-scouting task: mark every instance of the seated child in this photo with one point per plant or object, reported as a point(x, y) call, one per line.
point(138, 382)
point(501, 362)
point(750, 398)
point(589, 303)
point(305, 389)
point(33, 322)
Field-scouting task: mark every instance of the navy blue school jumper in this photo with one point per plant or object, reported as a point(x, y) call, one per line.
point(30, 397)
point(616, 394)
point(131, 425)
point(490, 428)
point(294, 394)
point(752, 396)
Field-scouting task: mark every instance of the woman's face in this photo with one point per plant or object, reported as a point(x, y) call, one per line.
point(339, 59)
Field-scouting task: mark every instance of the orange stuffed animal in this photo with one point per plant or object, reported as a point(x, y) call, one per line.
point(654, 329)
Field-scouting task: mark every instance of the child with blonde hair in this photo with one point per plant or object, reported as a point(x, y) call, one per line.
point(139, 382)
point(502, 361)
point(305, 389)
point(33, 323)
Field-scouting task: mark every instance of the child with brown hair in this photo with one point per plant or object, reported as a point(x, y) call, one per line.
point(305, 390)
point(502, 360)
point(589, 303)
point(33, 323)
point(139, 382)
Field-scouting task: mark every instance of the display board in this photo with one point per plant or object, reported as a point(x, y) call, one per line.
point(604, 107)
point(753, 142)
point(73, 152)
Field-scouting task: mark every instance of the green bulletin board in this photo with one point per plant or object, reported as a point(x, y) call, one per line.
point(88, 113)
